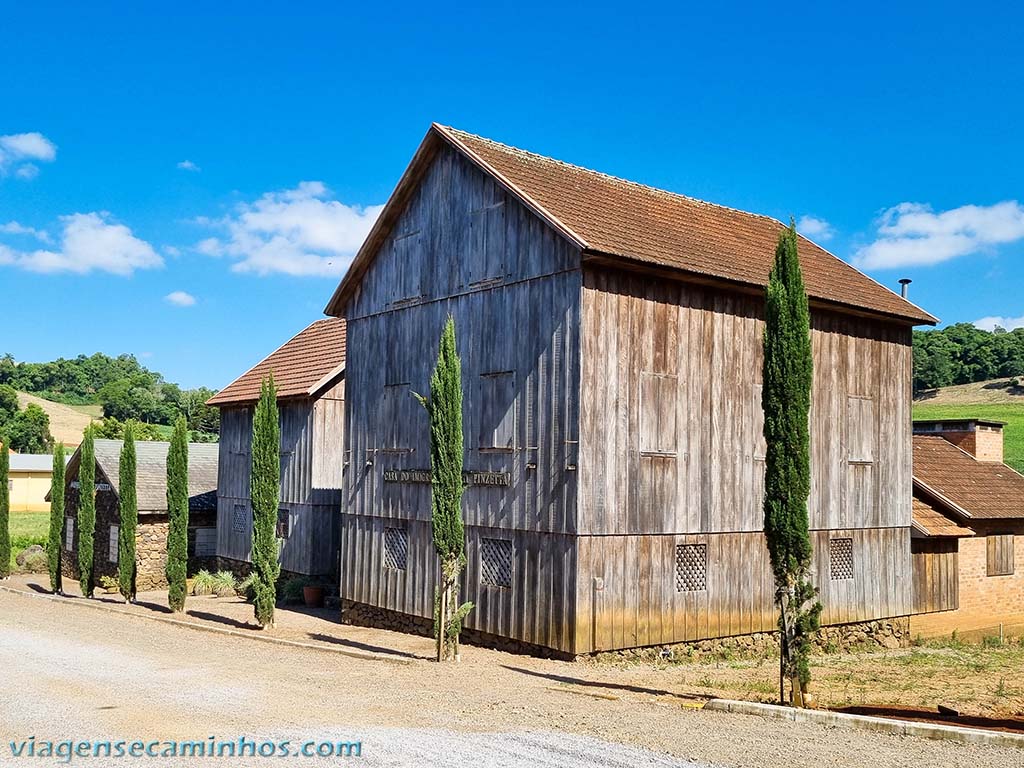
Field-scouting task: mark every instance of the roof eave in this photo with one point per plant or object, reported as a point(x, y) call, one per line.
point(630, 263)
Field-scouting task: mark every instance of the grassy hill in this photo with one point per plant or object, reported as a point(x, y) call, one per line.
point(66, 422)
point(997, 399)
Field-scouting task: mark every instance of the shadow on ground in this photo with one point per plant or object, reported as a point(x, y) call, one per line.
point(364, 646)
point(612, 686)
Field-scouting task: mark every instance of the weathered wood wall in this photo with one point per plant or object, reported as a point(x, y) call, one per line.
point(466, 248)
point(312, 433)
point(672, 452)
point(936, 574)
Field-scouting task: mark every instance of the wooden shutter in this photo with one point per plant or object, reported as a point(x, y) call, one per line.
point(860, 429)
point(496, 406)
point(1000, 555)
point(658, 413)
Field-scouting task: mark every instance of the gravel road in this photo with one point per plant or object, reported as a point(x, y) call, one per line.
point(75, 673)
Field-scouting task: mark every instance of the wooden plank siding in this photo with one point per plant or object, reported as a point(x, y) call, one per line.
point(671, 451)
point(936, 574)
point(464, 247)
point(626, 411)
point(311, 466)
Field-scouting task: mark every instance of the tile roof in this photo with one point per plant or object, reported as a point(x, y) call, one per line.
point(300, 367)
point(151, 473)
point(630, 220)
point(931, 521)
point(978, 489)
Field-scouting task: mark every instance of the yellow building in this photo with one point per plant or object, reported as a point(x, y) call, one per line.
point(29, 481)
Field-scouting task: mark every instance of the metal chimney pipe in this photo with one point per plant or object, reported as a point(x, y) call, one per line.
point(904, 282)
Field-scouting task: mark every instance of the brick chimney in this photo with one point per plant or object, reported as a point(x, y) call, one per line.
point(982, 438)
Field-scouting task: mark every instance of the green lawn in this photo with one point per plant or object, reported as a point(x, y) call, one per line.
point(96, 411)
point(1013, 415)
point(28, 528)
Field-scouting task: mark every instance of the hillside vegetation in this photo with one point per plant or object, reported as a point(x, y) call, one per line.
point(116, 388)
point(66, 423)
point(1011, 413)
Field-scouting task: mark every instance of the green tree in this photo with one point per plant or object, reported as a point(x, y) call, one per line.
point(787, 375)
point(265, 490)
point(8, 403)
point(177, 512)
point(86, 512)
point(53, 542)
point(129, 508)
point(444, 409)
point(5, 514)
point(29, 430)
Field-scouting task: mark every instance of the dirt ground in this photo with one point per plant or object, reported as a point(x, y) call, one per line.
point(94, 673)
point(66, 423)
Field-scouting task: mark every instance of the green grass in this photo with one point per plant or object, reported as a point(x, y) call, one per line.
point(28, 528)
point(96, 411)
point(1013, 415)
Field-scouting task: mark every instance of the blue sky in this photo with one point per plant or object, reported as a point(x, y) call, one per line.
point(232, 155)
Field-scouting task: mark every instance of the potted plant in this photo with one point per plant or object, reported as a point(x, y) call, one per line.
point(313, 595)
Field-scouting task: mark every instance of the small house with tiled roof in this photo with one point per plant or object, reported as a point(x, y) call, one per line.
point(611, 343)
point(309, 373)
point(968, 515)
point(153, 525)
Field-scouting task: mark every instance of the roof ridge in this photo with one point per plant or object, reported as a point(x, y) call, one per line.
point(611, 177)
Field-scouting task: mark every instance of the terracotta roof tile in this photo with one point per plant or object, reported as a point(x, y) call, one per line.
point(931, 521)
point(983, 489)
point(621, 218)
point(299, 366)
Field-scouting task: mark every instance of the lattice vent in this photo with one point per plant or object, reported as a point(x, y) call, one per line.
point(496, 562)
point(238, 519)
point(841, 559)
point(396, 548)
point(691, 567)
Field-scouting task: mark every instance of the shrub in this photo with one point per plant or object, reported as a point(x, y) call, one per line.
point(291, 592)
point(109, 582)
point(244, 588)
point(203, 583)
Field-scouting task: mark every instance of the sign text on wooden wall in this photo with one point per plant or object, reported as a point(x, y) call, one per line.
point(469, 477)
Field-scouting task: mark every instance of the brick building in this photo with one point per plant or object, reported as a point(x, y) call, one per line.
point(968, 535)
point(151, 487)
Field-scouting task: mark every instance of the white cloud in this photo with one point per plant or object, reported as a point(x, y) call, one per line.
point(188, 165)
point(170, 250)
point(1007, 323)
point(911, 234)
point(90, 242)
point(180, 299)
point(296, 232)
point(17, 150)
point(14, 228)
point(815, 228)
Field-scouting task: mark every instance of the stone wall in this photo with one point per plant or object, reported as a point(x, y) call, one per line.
point(882, 633)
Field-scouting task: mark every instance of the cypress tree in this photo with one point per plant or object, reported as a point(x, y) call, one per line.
point(265, 489)
point(86, 512)
point(444, 410)
point(5, 513)
point(53, 545)
point(177, 512)
point(126, 566)
point(787, 374)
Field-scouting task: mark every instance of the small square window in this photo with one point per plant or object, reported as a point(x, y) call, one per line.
point(691, 567)
point(840, 553)
point(284, 523)
point(396, 548)
point(496, 563)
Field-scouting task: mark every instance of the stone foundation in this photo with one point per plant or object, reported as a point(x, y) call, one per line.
point(362, 615)
point(841, 638)
point(881, 633)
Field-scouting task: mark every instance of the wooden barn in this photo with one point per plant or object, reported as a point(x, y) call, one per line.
point(309, 372)
point(968, 517)
point(611, 338)
point(151, 491)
